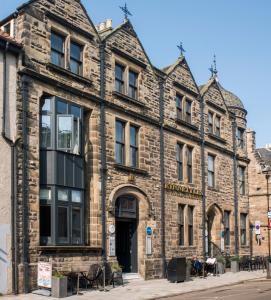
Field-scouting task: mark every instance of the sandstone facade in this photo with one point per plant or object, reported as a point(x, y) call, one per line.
point(171, 193)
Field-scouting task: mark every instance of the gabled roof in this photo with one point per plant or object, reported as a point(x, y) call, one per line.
point(263, 156)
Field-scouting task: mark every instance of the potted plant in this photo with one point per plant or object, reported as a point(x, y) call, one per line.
point(59, 285)
point(235, 264)
point(117, 272)
point(220, 264)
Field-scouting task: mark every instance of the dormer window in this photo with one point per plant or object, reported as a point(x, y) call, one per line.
point(57, 49)
point(132, 84)
point(76, 58)
point(217, 125)
point(184, 108)
point(210, 122)
point(214, 124)
point(188, 108)
point(119, 82)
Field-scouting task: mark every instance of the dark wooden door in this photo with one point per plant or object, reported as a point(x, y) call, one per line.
point(126, 245)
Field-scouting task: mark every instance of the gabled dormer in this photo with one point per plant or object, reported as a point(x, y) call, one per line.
point(131, 81)
point(182, 106)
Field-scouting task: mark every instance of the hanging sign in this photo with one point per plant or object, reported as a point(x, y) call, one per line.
point(148, 245)
point(269, 215)
point(149, 230)
point(44, 274)
point(269, 223)
point(257, 227)
point(112, 245)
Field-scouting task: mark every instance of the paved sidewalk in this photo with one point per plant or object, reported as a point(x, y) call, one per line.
point(154, 289)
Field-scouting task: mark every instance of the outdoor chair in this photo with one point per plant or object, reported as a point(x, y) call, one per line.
point(94, 275)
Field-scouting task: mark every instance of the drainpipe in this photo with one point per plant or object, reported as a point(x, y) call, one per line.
point(162, 175)
point(103, 152)
point(24, 90)
point(203, 182)
point(236, 230)
point(13, 197)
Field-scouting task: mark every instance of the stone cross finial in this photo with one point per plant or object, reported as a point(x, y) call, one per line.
point(125, 11)
point(180, 47)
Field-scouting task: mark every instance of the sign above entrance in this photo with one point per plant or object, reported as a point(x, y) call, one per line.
point(149, 230)
point(182, 189)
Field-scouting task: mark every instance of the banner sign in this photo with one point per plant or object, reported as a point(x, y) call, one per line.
point(257, 227)
point(269, 223)
point(45, 274)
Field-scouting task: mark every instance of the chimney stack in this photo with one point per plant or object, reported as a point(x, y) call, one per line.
point(251, 140)
point(104, 26)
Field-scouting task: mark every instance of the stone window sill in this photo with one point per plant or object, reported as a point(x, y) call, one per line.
point(68, 73)
point(129, 99)
point(131, 169)
point(217, 138)
point(213, 189)
point(186, 124)
point(68, 248)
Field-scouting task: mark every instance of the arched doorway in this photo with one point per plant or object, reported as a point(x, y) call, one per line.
point(126, 214)
point(215, 230)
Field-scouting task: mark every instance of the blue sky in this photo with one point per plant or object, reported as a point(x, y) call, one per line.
point(238, 31)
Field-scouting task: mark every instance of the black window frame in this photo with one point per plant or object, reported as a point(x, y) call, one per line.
point(227, 215)
point(188, 111)
point(210, 122)
point(60, 53)
point(242, 179)
point(121, 143)
point(190, 223)
point(240, 138)
point(134, 147)
point(211, 172)
point(79, 61)
point(181, 224)
point(179, 106)
point(133, 87)
point(179, 159)
point(189, 163)
point(120, 81)
point(217, 125)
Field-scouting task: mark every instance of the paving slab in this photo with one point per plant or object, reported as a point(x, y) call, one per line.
point(140, 289)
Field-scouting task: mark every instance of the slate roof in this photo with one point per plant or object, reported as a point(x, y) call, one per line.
point(264, 156)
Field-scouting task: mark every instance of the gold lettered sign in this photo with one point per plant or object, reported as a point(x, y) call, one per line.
point(182, 189)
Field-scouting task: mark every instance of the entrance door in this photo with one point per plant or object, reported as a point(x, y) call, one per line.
point(126, 245)
point(126, 233)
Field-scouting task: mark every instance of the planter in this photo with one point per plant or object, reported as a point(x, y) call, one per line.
point(234, 266)
point(59, 287)
point(220, 268)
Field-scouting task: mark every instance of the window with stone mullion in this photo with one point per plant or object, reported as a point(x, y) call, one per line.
point(181, 224)
point(188, 113)
point(211, 171)
point(227, 227)
point(242, 189)
point(217, 125)
point(120, 142)
point(210, 122)
point(240, 138)
point(76, 58)
point(133, 146)
point(243, 229)
point(119, 82)
point(189, 161)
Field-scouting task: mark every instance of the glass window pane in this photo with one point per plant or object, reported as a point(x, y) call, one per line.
point(76, 136)
point(211, 163)
point(57, 58)
point(76, 196)
point(133, 157)
point(76, 51)
point(132, 92)
point(45, 224)
point(119, 72)
point(76, 111)
point(119, 131)
point(75, 66)
point(132, 78)
point(45, 194)
point(57, 42)
point(62, 195)
point(61, 107)
point(46, 105)
point(119, 153)
point(65, 125)
point(46, 130)
point(210, 179)
point(62, 218)
point(76, 225)
point(133, 136)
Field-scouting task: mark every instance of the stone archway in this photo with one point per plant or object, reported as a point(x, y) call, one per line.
point(215, 229)
point(144, 217)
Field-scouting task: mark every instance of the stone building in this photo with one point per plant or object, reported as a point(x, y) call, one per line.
point(117, 159)
point(9, 59)
point(259, 160)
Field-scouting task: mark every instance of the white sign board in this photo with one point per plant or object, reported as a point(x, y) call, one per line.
point(269, 215)
point(45, 274)
point(148, 245)
point(112, 245)
point(257, 227)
